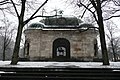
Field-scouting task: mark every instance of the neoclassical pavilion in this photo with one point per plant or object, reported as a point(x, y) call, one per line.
point(60, 39)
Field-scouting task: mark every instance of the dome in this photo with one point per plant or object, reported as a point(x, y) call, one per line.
point(61, 21)
point(36, 25)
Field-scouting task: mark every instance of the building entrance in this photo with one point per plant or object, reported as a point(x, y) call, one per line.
point(61, 49)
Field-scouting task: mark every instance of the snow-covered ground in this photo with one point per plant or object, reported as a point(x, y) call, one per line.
point(61, 64)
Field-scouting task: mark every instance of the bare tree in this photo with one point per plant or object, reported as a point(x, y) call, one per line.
point(95, 8)
point(6, 34)
point(113, 40)
point(21, 23)
point(101, 10)
point(114, 55)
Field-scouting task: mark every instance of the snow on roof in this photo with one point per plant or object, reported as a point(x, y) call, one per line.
point(60, 64)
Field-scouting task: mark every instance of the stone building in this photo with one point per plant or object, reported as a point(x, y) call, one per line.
point(60, 39)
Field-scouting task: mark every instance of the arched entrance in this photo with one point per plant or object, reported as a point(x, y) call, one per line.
point(61, 49)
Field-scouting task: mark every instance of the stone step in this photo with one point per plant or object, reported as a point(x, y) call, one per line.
point(60, 74)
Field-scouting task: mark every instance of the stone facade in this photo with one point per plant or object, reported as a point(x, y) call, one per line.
point(40, 44)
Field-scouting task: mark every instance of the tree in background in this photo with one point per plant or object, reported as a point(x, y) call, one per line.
point(6, 34)
point(114, 56)
point(113, 46)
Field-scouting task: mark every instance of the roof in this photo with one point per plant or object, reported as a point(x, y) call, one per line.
point(60, 23)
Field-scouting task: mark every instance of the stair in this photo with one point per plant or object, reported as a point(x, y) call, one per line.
point(60, 73)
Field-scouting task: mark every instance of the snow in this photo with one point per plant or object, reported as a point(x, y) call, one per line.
point(60, 64)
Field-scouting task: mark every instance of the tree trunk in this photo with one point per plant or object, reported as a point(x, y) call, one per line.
point(4, 47)
point(15, 56)
point(4, 52)
point(113, 49)
point(102, 34)
point(103, 45)
point(17, 45)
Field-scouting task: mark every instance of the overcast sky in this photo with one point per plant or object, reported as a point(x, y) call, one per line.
point(67, 8)
point(61, 5)
point(57, 4)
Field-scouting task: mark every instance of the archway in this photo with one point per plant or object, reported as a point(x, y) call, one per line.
point(61, 49)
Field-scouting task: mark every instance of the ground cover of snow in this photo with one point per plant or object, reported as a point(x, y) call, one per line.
point(60, 64)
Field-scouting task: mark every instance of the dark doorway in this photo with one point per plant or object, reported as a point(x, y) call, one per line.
point(61, 49)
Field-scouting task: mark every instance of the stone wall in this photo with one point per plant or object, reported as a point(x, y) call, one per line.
point(41, 43)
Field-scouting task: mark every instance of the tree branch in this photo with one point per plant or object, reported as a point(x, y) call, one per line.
point(32, 17)
point(111, 17)
point(4, 2)
point(85, 11)
point(94, 4)
point(88, 10)
point(116, 2)
point(15, 8)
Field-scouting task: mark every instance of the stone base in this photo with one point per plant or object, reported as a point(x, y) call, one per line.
point(62, 60)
